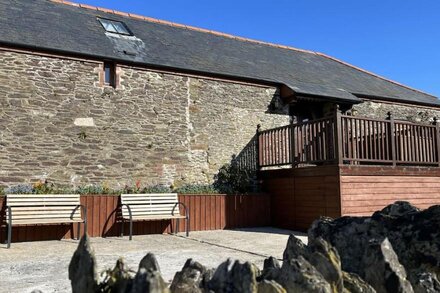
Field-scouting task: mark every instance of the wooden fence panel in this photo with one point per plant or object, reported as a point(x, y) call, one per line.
point(207, 212)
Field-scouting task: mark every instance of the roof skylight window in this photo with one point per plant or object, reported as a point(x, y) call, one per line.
point(113, 26)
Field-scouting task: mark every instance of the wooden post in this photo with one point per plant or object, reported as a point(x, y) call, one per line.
point(292, 143)
point(338, 136)
point(392, 138)
point(437, 141)
point(257, 148)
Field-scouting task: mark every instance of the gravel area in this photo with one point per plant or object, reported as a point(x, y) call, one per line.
point(43, 265)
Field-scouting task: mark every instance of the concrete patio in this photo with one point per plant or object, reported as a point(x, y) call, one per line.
point(43, 265)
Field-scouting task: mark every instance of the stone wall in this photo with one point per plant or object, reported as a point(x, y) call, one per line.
point(58, 122)
point(374, 109)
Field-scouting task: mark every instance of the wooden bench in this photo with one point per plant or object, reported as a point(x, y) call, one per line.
point(150, 207)
point(25, 209)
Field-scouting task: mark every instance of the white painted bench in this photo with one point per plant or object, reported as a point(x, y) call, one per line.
point(150, 207)
point(25, 209)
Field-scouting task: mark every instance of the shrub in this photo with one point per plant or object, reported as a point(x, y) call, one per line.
point(196, 189)
point(2, 190)
point(232, 179)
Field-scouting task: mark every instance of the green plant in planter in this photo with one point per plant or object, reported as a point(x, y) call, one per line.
point(135, 189)
point(196, 189)
point(2, 190)
point(19, 189)
point(95, 189)
point(157, 189)
point(43, 187)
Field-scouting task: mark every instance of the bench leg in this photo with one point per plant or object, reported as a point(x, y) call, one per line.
point(79, 231)
point(177, 226)
point(131, 229)
point(122, 228)
point(187, 226)
point(9, 227)
point(9, 235)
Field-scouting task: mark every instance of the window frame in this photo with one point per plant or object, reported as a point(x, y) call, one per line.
point(111, 22)
point(113, 78)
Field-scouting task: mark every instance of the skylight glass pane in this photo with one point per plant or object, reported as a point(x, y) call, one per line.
point(120, 28)
point(108, 26)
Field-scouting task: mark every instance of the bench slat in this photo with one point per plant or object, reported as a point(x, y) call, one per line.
point(134, 202)
point(41, 211)
point(36, 203)
point(156, 217)
point(149, 195)
point(43, 208)
point(150, 206)
point(150, 213)
point(46, 221)
point(43, 214)
point(43, 196)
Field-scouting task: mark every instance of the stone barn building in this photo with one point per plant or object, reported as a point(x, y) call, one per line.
point(91, 95)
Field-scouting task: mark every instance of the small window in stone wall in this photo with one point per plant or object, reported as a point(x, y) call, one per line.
point(110, 74)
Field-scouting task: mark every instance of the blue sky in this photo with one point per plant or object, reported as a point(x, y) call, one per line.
point(398, 39)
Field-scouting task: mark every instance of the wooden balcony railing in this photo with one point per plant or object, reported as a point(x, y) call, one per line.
point(343, 139)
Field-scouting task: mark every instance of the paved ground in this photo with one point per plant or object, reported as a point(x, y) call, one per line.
point(43, 265)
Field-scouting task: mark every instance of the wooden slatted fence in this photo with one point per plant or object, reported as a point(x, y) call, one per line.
point(207, 212)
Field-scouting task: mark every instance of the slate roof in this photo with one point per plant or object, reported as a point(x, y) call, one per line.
point(52, 25)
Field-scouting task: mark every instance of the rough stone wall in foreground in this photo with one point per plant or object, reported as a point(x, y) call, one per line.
point(411, 113)
point(58, 123)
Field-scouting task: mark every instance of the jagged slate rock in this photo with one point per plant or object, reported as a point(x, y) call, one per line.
point(150, 263)
point(270, 286)
point(398, 209)
point(294, 248)
point(148, 281)
point(298, 275)
point(413, 234)
point(355, 284)
point(425, 282)
point(382, 269)
point(325, 258)
point(350, 237)
point(117, 280)
point(190, 279)
point(82, 268)
point(244, 277)
point(234, 277)
point(220, 279)
point(271, 269)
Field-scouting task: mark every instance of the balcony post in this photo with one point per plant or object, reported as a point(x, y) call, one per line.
point(392, 138)
point(292, 143)
point(257, 148)
point(437, 140)
point(338, 136)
